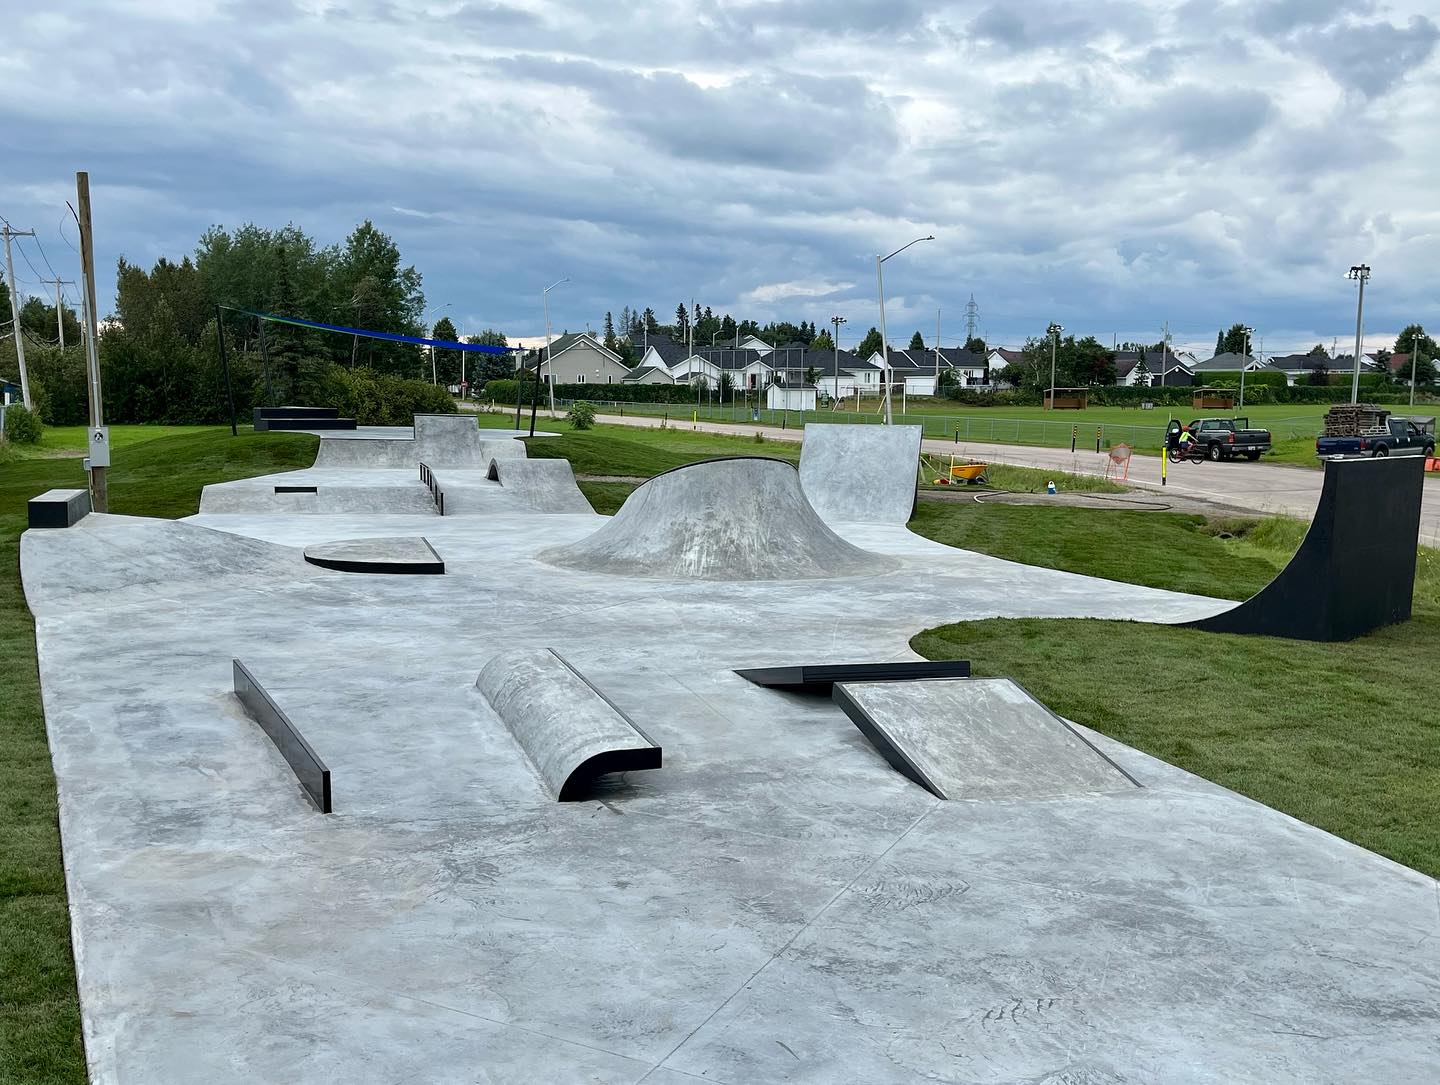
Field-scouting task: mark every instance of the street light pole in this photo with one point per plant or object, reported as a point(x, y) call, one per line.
point(884, 337)
point(1360, 273)
point(549, 373)
point(428, 315)
point(835, 322)
point(1249, 331)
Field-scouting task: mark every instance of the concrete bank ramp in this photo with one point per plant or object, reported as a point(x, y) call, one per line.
point(108, 556)
point(977, 738)
point(568, 729)
point(323, 498)
point(860, 473)
point(741, 518)
point(540, 485)
point(452, 440)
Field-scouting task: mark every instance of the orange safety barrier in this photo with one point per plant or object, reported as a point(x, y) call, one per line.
point(1118, 464)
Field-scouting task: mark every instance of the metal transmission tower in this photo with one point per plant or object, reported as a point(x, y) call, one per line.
point(972, 319)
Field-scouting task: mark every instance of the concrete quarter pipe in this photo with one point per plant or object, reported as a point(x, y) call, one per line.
point(743, 518)
point(860, 474)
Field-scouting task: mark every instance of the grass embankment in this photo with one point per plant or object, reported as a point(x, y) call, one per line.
point(160, 476)
point(1342, 736)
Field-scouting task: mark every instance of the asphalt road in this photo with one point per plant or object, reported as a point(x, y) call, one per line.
point(1261, 488)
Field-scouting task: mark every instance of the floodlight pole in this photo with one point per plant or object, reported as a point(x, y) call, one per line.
point(1414, 357)
point(1055, 330)
point(1249, 331)
point(835, 322)
point(1360, 273)
point(884, 337)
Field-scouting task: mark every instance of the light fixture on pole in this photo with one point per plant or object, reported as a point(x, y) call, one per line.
point(1244, 360)
point(1361, 274)
point(1055, 330)
point(549, 373)
point(427, 316)
point(835, 322)
point(884, 338)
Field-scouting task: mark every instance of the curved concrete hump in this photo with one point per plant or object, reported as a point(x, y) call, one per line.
point(1355, 569)
point(859, 473)
point(742, 518)
point(568, 729)
point(540, 485)
point(977, 738)
point(405, 554)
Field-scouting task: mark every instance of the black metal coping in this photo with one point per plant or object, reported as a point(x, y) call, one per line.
point(435, 567)
point(581, 781)
point(58, 508)
point(314, 777)
point(810, 678)
point(297, 489)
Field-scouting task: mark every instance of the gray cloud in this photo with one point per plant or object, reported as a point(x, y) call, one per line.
point(1109, 166)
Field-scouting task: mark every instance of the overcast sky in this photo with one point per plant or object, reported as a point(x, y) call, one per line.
point(1109, 164)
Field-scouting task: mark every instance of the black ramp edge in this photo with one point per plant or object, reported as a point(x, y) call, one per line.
point(314, 777)
point(59, 508)
point(881, 741)
point(1355, 569)
point(818, 678)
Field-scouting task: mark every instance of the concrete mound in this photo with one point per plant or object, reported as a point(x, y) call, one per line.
point(860, 474)
point(540, 485)
point(743, 518)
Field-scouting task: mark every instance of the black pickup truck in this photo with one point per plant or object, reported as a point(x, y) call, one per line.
point(1223, 438)
point(1391, 437)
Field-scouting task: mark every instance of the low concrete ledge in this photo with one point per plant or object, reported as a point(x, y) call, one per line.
point(59, 508)
point(819, 678)
point(314, 777)
point(568, 729)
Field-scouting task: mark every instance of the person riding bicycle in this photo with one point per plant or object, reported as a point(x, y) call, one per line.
point(1178, 439)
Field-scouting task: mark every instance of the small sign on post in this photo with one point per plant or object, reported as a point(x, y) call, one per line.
point(99, 446)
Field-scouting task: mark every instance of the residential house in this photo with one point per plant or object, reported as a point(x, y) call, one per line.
point(580, 358)
point(648, 374)
point(1161, 368)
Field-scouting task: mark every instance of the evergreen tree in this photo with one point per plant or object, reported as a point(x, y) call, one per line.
point(1233, 341)
point(447, 362)
point(728, 327)
point(682, 321)
point(917, 342)
point(651, 325)
point(871, 344)
point(1404, 342)
point(609, 331)
point(976, 345)
point(1219, 342)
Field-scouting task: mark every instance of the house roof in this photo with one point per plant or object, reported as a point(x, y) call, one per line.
point(572, 339)
point(1229, 362)
point(1399, 362)
point(642, 371)
point(1009, 355)
point(668, 349)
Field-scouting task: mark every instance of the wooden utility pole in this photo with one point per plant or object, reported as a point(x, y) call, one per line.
point(99, 488)
point(15, 312)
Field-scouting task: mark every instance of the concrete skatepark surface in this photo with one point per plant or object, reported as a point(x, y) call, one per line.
point(774, 904)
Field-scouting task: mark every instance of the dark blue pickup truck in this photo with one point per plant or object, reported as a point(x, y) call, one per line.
point(1392, 437)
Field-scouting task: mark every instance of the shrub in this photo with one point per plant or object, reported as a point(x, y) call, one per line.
point(582, 414)
point(22, 426)
point(374, 399)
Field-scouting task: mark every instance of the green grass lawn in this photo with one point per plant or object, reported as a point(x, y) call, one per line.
point(158, 476)
point(1342, 736)
point(946, 419)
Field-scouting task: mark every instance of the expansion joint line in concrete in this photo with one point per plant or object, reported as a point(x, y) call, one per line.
point(870, 866)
